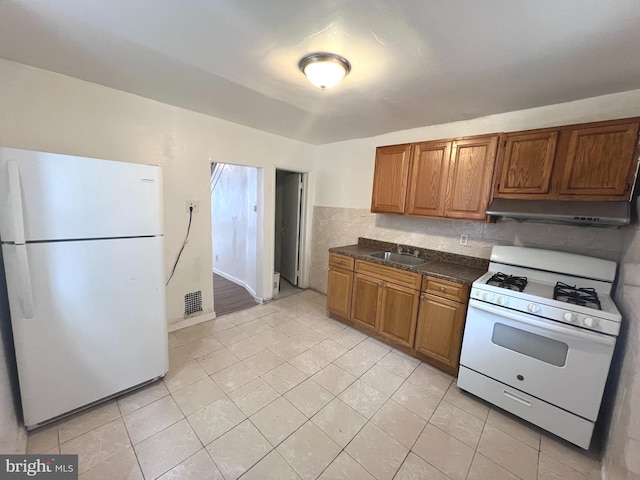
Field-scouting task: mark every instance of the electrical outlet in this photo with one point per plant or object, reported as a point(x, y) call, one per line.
point(464, 239)
point(195, 204)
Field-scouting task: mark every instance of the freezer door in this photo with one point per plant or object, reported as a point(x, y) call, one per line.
point(98, 325)
point(64, 197)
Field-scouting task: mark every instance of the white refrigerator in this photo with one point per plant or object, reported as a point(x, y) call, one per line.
point(82, 243)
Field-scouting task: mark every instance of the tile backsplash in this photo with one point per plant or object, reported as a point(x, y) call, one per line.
point(334, 227)
point(622, 396)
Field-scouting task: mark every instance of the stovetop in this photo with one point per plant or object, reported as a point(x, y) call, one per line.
point(537, 298)
point(510, 282)
point(575, 295)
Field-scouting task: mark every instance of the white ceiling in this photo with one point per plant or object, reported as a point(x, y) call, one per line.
point(415, 63)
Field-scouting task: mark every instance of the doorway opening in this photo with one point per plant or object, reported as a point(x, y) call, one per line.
point(289, 220)
point(234, 234)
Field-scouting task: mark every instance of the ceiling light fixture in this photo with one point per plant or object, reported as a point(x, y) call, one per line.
point(324, 70)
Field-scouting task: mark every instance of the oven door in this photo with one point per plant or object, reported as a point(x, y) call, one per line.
point(560, 364)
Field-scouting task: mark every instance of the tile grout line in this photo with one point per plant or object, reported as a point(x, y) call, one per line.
point(321, 333)
point(475, 450)
point(422, 431)
point(135, 454)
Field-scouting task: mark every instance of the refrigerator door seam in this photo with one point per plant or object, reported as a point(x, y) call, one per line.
point(26, 292)
point(90, 239)
point(15, 193)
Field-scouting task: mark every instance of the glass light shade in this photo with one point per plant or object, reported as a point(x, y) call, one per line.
point(324, 70)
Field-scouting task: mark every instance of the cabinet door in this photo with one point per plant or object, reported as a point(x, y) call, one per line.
point(340, 284)
point(600, 161)
point(428, 178)
point(390, 179)
point(398, 313)
point(367, 295)
point(470, 177)
point(440, 326)
point(527, 162)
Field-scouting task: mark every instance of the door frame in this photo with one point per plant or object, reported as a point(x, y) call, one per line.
point(303, 234)
point(258, 293)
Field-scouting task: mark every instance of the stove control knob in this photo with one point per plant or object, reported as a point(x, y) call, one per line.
point(485, 297)
point(503, 301)
point(533, 308)
point(569, 317)
point(591, 322)
point(500, 300)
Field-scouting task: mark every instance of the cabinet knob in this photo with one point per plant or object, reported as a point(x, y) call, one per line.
point(442, 289)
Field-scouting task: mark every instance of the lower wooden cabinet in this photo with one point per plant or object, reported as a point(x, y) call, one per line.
point(440, 329)
point(386, 300)
point(367, 298)
point(339, 286)
point(398, 313)
point(387, 303)
point(440, 324)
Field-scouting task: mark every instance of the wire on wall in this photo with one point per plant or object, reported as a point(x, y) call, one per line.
point(173, 270)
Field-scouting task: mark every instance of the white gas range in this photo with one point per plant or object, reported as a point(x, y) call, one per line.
point(540, 333)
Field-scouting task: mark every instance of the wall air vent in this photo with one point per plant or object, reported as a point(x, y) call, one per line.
point(192, 303)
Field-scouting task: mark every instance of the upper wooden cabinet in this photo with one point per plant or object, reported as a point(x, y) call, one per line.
point(600, 160)
point(444, 178)
point(527, 162)
point(595, 161)
point(390, 179)
point(428, 178)
point(470, 177)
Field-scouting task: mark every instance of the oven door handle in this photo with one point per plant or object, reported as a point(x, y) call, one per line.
point(542, 324)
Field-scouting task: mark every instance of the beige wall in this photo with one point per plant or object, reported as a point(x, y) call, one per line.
point(344, 170)
point(344, 179)
point(41, 110)
point(622, 454)
point(342, 226)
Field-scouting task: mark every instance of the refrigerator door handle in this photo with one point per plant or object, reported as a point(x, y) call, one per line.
point(25, 281)
point(15, 193)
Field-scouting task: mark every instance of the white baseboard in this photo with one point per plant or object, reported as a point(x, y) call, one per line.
point(187, 322)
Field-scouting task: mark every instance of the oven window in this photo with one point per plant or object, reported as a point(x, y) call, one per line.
point(542, 348)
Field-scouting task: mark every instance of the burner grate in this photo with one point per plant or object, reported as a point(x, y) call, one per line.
point(586, 297)
point(511, 282)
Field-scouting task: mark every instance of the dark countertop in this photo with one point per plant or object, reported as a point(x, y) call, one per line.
point(447, 266)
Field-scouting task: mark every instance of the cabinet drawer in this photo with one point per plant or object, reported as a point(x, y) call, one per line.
point(446, 289)
point(389, 274)
point(341, 261)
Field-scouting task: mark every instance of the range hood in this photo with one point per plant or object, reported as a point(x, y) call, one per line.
point(596, 214)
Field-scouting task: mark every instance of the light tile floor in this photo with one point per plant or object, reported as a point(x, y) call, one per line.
point(280, 391)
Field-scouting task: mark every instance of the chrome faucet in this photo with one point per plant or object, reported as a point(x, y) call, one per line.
point(400, 249)
point(416, 253)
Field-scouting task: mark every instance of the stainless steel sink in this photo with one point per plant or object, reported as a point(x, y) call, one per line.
point(399, 258)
